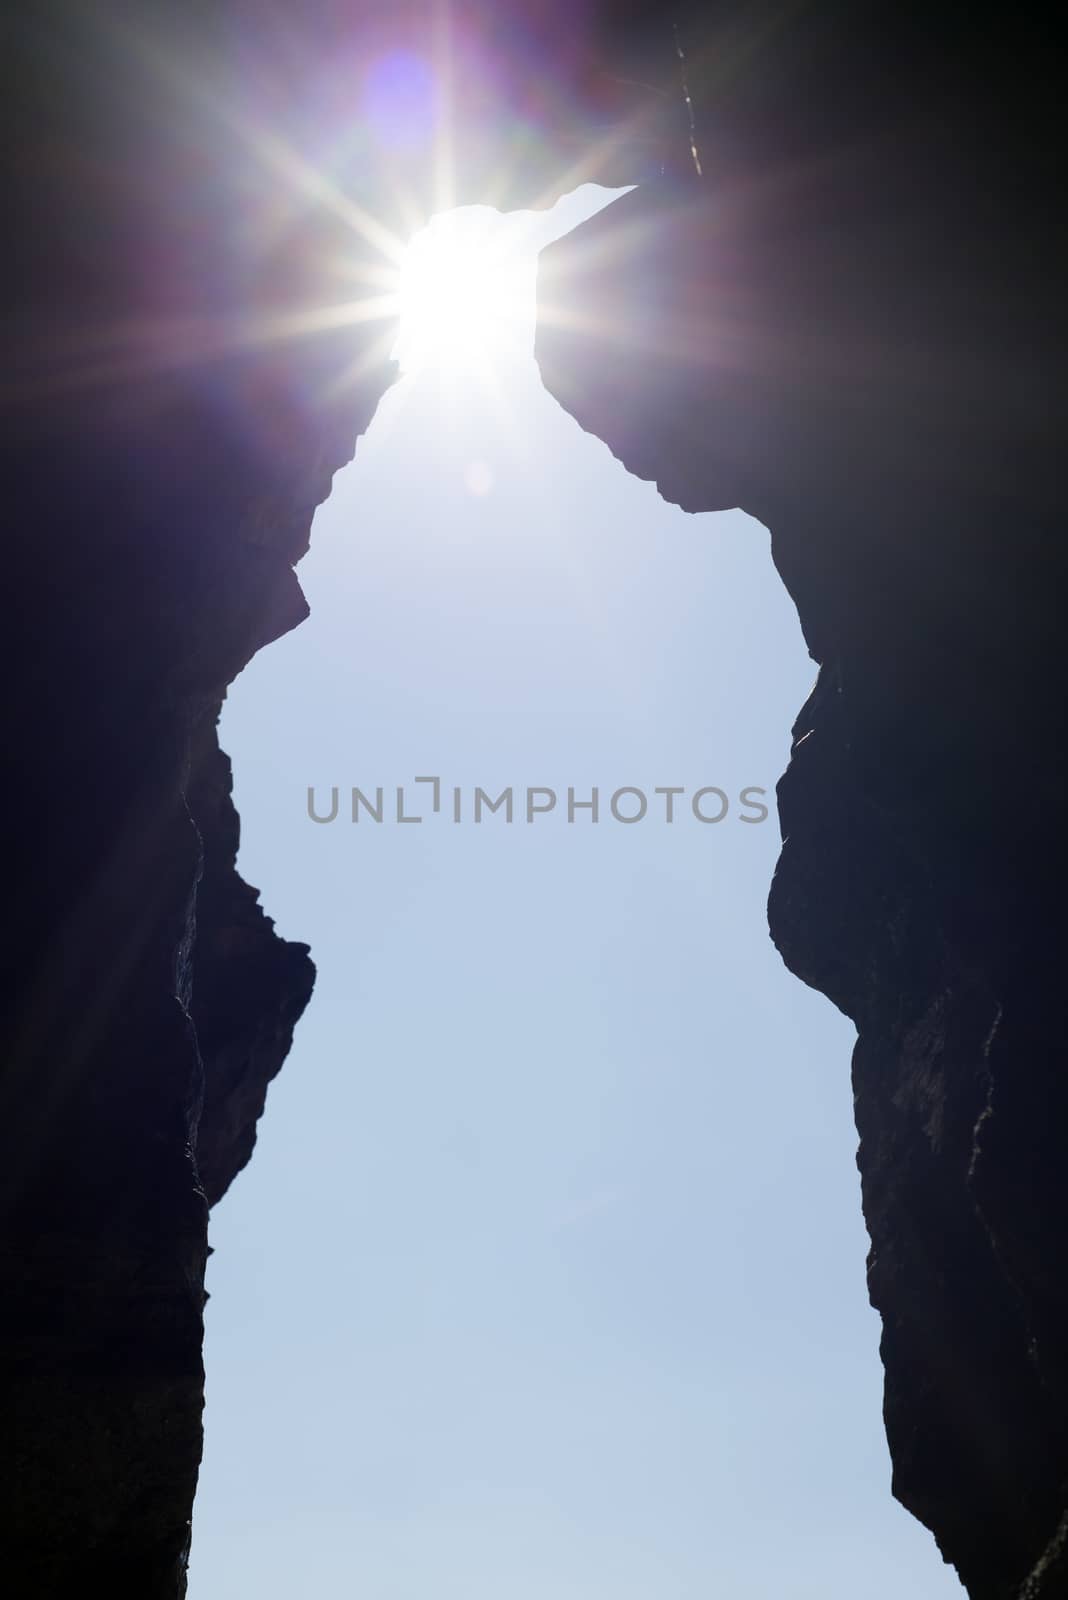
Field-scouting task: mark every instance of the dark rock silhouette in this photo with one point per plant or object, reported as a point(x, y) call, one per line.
point(854, 328)
point(850, 323)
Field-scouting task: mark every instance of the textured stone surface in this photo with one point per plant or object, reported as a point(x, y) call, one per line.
point(193, 201)
point(250, 986)
point(160, 481)
point(854, 329)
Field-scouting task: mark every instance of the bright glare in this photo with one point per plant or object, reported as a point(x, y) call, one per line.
point(466, 294)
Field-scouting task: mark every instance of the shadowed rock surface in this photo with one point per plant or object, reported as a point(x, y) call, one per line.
point(854, 328)
point(851, 325)
point(193, 201)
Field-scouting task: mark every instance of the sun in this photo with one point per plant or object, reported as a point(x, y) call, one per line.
point(465, 295)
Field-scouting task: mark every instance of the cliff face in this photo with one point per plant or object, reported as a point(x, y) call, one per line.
point(849, 325)
point(161, 474)
point(148, 1000)
point(854, 329)
point(196, 198)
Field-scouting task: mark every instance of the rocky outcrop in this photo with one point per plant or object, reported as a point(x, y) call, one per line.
point(197, 198)
point(853, 327)
point(162, 468)
point(148, 1001)
point(250, 986)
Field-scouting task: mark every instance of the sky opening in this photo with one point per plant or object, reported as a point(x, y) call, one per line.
point(547, 1279)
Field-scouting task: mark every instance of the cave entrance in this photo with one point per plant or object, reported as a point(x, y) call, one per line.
point(548, 1275)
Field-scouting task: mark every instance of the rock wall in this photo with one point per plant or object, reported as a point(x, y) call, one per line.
point(198, 200)
point(848, 323)
point(853, 327)
point(162, 467)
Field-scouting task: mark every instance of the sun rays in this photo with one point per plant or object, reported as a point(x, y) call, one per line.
point(318, 258)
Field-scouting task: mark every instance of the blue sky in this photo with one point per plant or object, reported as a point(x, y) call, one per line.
point(547, 1279)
